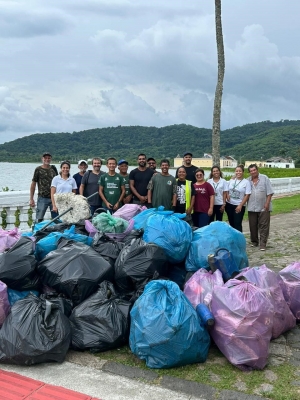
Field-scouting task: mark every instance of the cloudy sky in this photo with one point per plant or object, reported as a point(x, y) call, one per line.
point(70, 65)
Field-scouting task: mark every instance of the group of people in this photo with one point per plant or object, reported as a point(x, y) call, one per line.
point(188, 192)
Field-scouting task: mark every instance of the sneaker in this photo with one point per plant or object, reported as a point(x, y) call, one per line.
point(262, 249)
point(254, 244)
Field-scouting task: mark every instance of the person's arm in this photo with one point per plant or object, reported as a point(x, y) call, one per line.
point(242, 203)
point(211, 205)
point(268, 201)
point(192, 202)
point(127, 199)
point(74, 191)
point(136, 194)
point(174, 199)
point(32, 190)
point(81, 189)
point(101, 194)
point(150, 189)
point(53, 191)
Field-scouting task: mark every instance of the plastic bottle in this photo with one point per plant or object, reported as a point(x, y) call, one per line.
point(205, 315)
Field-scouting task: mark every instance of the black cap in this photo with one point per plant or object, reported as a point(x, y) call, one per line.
point(47, 154)
point(151, 159)
point(188, 153)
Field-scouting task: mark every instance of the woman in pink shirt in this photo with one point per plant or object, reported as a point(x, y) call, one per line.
point(203, 196)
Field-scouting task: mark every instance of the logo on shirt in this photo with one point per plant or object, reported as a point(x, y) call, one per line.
point(169, 183)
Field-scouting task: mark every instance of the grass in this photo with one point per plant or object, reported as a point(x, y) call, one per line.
point(220, 374)
point(272, 172)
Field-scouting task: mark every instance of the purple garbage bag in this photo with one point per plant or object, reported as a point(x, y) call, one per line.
point(128, 211)
point(200, 286)
point(268, 280)
point(8, 238)
point(243, 323)
point(291, 287)
point(4, 303)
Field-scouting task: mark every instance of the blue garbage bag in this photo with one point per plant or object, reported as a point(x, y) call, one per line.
point(209, 239)
point(50, 242)
point(169, 231)
point(140, 219)
point(165, 329)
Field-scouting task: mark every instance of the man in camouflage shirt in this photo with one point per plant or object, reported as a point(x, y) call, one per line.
point(43, 176)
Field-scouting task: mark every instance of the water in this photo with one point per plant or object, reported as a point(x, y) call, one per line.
point(18, 176)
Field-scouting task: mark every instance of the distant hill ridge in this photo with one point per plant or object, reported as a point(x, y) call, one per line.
point(259, 140)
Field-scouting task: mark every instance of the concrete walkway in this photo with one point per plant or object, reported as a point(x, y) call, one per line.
point(93, 376)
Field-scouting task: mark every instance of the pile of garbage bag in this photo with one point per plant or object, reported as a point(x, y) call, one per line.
point(158, 286)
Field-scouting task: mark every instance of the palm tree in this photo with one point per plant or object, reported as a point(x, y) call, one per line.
point(219, 87)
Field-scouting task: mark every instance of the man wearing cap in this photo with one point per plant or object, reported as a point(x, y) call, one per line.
point(138, 181)
point(189, 167)
point(151, 163)
point(123, 168)
point(82, 166)
point(43, 176)
point(89, 184)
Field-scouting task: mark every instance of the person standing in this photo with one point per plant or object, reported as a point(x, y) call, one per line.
point(123, 168)
point(151, 163)
point(82, 166)
point(259, 207)
point(138, 181)
point(239, 190)
point(162, 188)
point(189, 167)
point(89, 184)
point(62, 183)
point(220, 186)
point(203, 196)
point(184, 193)
point(111, 187)
point(43, 176)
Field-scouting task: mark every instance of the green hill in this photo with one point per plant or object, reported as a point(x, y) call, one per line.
point(252, 141)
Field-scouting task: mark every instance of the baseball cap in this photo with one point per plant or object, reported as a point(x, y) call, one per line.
point(82, 161)
point(151, 159)
point(122, 162)
point(47, 154)
point(188, 153)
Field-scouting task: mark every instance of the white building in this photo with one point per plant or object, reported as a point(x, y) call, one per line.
point(279, 162)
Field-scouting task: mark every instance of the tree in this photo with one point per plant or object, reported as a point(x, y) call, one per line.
point(219, 87)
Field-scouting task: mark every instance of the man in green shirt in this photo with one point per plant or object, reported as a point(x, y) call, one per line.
point(123, 168)
point(111, 187)
point(162, 189)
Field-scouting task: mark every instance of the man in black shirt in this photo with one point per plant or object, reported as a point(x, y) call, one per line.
point(138, 181)
point(189, 167)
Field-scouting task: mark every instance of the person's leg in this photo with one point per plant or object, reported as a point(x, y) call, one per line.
point(238, 219)
point(203, 219)
point(230, 211)
point(218, 213)
point(253, 226)
point(264, 227)
point(41, 207)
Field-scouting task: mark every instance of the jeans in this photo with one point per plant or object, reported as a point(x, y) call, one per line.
point(235, 219)
point(41, 207)
point(200, 219)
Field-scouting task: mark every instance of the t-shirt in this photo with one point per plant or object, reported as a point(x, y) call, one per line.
point(126, 184)
point(237, 190)
point(181, 197)
point(163, 188)
point(63, 185)
point(43, 177)
point(219, 187)
point(141, 180)
point(190, 173)
point(91, 186)
point(202, 195)
point(111, 187)
point(78, 179)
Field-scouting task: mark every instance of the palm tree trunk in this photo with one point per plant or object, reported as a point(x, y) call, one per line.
point(219, 87)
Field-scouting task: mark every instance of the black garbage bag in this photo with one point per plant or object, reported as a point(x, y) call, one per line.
point(18, 266)
point(134, 234)
point(35, 331)
point(177, 274)
point(61, 227)
point(137, 262)
point(65, 305)
point(102, 321)
point(108, 248)
point(75, 270)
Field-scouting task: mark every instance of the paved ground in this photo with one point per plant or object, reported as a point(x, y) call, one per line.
point(85, 373)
